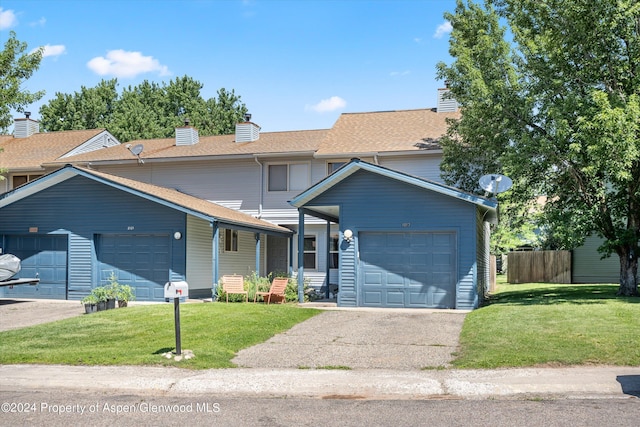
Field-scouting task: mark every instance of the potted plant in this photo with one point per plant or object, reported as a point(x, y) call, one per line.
point(111, 291)
point(90, 303)
point(124, 295)
point(101, 294)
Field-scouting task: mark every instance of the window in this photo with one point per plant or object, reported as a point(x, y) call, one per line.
point(230, 240)
point(334, 244)
point(310, 252)
point(293, 177)
point(334, 166)
point(18, 180)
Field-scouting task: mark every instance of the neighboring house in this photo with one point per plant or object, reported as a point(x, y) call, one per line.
point(76, 226)
point(588, 266)
point(24, 153)
point(258, 174)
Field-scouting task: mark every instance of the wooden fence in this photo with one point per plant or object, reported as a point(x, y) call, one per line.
point(539, 266)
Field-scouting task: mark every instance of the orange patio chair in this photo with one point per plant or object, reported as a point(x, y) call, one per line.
point(234, 285)
point(278, 286)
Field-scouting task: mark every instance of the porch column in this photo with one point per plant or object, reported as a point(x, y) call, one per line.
point(257, 253)
point(215, 246)
point(328, 255)
point(300, 255)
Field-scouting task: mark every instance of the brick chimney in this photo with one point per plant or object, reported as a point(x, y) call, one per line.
point(24, 128)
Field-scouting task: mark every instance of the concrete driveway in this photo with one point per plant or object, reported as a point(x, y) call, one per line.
point(396, 339)
point(19, 313)
point(355, 338)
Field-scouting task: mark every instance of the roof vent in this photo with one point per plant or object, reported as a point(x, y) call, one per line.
point(24, 128)
point(187, 135)
point(247, 131)
point(446, 104)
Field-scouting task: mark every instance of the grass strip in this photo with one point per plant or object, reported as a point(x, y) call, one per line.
point(138, 335)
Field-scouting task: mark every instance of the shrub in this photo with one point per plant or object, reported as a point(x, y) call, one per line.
point(255, 283)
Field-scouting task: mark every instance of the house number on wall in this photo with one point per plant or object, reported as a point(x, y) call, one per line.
point(406, 224)
point(131, 227)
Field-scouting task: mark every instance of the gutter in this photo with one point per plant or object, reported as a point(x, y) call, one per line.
point(255, 157)
point(376, 154)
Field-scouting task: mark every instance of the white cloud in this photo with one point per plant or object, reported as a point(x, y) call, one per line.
point(120, 63)
point(55, 50)
point(399, 73)
point(444, 28)
point(49, 50)
point(7, 19)
point(330, 104)
point(40, 22)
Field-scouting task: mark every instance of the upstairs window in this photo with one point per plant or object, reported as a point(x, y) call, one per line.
point(19, 180)
point(288, 177)
point(334, 166)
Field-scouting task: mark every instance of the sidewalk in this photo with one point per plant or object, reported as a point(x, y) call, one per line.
point(570, 383)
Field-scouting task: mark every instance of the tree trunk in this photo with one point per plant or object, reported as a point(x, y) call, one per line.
point(628, 272)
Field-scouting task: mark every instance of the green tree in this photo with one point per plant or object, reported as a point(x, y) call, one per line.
point(16, 67)
point(91, 108)
point(148, 110)
point(557, 108)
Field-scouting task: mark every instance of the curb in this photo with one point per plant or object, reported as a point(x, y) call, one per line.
point(576, 382)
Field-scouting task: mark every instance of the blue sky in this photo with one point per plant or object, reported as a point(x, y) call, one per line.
point(296, 64)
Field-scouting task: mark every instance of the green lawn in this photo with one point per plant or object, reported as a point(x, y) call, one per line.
point(138, 335)
point(552, 325)
point(524, 325)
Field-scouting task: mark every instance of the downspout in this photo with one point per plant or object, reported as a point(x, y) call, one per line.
point(261, 185)
point(375, 159)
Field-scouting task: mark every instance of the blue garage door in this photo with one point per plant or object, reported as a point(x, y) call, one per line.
point(42, 256)
point(415, 270)
point(142, 261)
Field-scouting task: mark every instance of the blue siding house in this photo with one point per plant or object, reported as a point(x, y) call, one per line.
point(75, 227)
point(405, 241)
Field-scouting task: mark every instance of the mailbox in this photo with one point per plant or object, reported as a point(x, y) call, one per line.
point(176, 290)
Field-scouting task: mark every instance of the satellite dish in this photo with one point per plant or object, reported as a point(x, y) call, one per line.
point(137, 149)
point(495, 183)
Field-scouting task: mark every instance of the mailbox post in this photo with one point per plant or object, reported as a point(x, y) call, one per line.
point(176, 290)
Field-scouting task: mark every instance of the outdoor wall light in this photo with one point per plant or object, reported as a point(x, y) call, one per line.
point(348, 235)
point(177, 235)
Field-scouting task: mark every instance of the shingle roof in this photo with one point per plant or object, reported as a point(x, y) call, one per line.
point(40, 148)
point(385, 131)
point(191, 203)
point(218, 145)
point(353, 134)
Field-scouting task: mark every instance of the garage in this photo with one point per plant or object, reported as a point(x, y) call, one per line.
point(42, 256)
point(413, 270)
point(404, 241)
point(141, 261)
